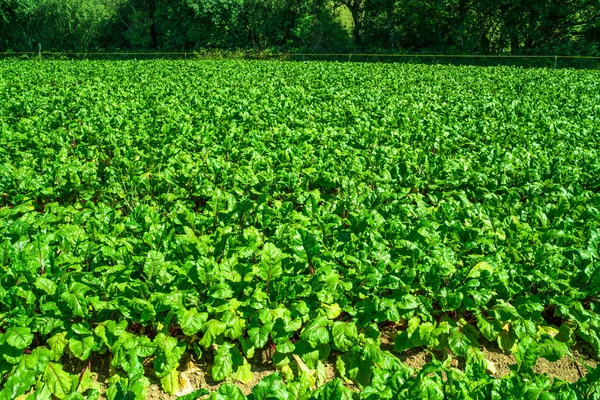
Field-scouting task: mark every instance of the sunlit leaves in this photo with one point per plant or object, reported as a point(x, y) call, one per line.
point(305, 247)
point(212, 329)
point(191, 321)
point(259, 335)
point(345, 335)
point(270, 387)
point(81, 348)
point(317, 332)
point(158, 215)
point(168, 354)
point(58, 380)
point(270, 262)
point(19, 338)
point(223, 364)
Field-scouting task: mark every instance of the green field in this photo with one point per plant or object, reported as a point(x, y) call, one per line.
point(320, 221)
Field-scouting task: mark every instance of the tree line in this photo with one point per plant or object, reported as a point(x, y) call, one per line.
point(446, 26)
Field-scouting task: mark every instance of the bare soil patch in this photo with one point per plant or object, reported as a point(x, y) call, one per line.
point(197, 375)
point(569, 369)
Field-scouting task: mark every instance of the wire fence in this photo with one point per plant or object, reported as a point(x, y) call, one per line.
point(477, 59)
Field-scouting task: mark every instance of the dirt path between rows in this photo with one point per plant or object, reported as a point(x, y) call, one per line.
point(197, 375)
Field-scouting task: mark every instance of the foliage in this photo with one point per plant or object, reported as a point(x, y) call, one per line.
point(447, 26)
point(157, 212)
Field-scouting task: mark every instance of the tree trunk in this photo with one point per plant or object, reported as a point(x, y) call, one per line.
point(356, 8)
point(357, 26)
point(390, 23)
point(463, 9)
point(153, 32)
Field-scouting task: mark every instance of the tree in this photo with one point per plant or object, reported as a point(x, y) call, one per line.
point(357, 9)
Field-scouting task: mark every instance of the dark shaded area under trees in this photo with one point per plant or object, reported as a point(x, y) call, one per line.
point(445, 26)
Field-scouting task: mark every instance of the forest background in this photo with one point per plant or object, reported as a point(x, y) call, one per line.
point(566, 27)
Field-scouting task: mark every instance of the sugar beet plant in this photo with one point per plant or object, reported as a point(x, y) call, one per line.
point(158, 213)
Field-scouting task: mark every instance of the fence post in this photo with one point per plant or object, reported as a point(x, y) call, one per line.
point(39, 50)
point(555, 58)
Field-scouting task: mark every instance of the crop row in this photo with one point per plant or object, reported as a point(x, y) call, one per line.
point(163, 211)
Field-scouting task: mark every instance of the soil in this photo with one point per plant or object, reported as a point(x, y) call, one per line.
point(568, 369)
point(194, 376)
point(198, 376)
point(415, 358)
point(501, 362)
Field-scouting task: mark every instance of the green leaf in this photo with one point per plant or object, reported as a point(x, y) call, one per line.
point(269, 388)
point(270, 262)
point(76, 303)
point(223, 363)
point(235, 325)
point(118, 391)
point(243, 373)
point(19, 338)
point(191, 321)
point(553, 350)
point(317, 331)
point(38, 359)
point(351, 366)
point(594, 244)
point(345, 335)
point(81, 348)
point(333, 311)
point(304, 246)
point(75, 396)
point(212, 329)
point(144, 347)
point(427, 334)
point(527, 353)
point(58, 381)
point(333, 390)
point(458, 343)
point(17, 384)
point(286, 347)
point(45, 284)
point(538, 394)
point(260, 336)
point(507, 342)
point(228, 391)
point(478, 269)
point(138, 386)
point(407, 302)
point(487, 329)
point(88, 382)
point(167, 355)
point(58, 343)
point(170, 382)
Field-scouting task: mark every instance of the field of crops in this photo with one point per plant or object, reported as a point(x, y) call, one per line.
point(322, 222)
